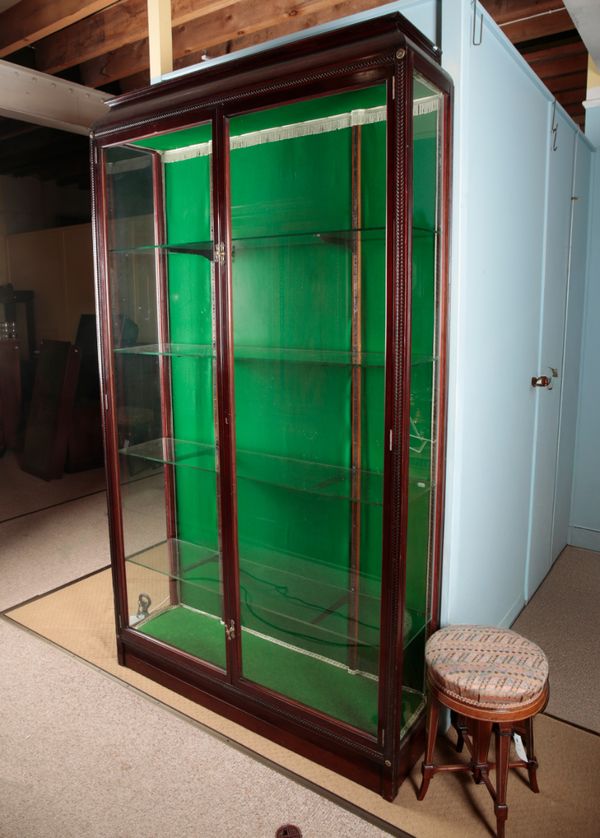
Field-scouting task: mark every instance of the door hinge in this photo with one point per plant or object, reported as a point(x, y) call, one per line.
point(230, 630)
point(220, 253)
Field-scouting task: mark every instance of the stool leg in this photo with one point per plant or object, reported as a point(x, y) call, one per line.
point(503, 738)
point(532, 763)
point(481, 745)
point(458, 723)
point(428, 769)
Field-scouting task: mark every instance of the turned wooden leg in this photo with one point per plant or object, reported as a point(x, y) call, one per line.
point(532, 763)
point(458, 723)
point(482, 735)
point(433, 715)
point(503, 739)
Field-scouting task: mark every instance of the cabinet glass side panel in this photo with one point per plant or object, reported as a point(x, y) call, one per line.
point(308, 204)
point(427, 121)
point(163, 298)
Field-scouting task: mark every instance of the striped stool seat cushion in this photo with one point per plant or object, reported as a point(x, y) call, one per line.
point(486, 667)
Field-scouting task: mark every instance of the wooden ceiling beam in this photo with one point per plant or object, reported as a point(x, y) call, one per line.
point(504, 11)
point(552, 67)
point(31, 20)
point(35, 97)
point(533, 54)
point(222, 32)
point(538, 27)
point(570, 97)
point(123, 23)
point(570, 81)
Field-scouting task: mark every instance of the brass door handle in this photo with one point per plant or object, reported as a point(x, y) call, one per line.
point(541, 381)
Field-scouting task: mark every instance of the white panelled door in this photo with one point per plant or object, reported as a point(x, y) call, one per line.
point(572, 354)
point(551, 348)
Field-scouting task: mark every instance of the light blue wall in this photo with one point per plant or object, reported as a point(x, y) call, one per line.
point(592, 125)
point(503, 117)
point(585, 508)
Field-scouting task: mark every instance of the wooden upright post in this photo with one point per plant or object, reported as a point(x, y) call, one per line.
point(160, 38)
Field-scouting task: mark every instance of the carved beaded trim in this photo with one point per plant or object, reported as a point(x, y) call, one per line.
point(378, 61)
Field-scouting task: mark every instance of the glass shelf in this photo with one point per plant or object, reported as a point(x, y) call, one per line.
point(260, 353)
point(297, 475)
point(279, 354)
point(168, 557)
point(288, 473)
point(172, 350)
point(176, 452)
point(348, 237)
point(202, 248)
point(280, 585)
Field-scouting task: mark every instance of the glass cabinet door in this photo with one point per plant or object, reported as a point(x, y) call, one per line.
point(161, 280)
point(308, 222)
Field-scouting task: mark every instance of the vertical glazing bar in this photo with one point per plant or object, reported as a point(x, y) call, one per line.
point(397, 411)
point(226, 475)
point(213, 308)
point(356, 418)
point(164, 366)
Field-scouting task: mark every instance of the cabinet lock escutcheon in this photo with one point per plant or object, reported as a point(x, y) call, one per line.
point(230, 630)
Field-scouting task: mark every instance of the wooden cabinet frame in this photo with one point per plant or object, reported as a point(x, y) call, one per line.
point(384, 50)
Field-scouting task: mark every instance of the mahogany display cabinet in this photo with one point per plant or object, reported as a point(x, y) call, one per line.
point(271, 241)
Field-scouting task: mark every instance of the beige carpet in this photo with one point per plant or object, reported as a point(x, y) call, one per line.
point(79, 618)
point(563, 617)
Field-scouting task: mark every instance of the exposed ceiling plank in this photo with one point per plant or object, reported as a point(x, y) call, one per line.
point(557, 49)
point(569, 97)
point(31, 20)
point(552, 67)
point(229, 25)
point(569, 82)
point(122, 24)
point(504, 11)
point(537, 27)
point(291, 24)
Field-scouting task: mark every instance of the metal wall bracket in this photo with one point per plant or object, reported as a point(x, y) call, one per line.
point(476, 37)
point(554, 129)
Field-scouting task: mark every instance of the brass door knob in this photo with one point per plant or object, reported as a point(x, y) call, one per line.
point(541, 381)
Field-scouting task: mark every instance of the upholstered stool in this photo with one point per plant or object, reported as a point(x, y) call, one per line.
point(493, 680)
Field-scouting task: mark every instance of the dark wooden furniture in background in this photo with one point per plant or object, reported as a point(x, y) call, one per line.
point(10, 393)
point(85, 448)
point(11, 300)
point(155, 251)
point(51, 409)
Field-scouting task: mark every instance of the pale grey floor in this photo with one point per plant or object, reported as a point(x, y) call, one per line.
point(563, 619)
point(21, 493)
point(84, 756)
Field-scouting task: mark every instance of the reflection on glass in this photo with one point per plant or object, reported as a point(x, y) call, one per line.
point(427, 116)
point(308, 220)
point(170, 518)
